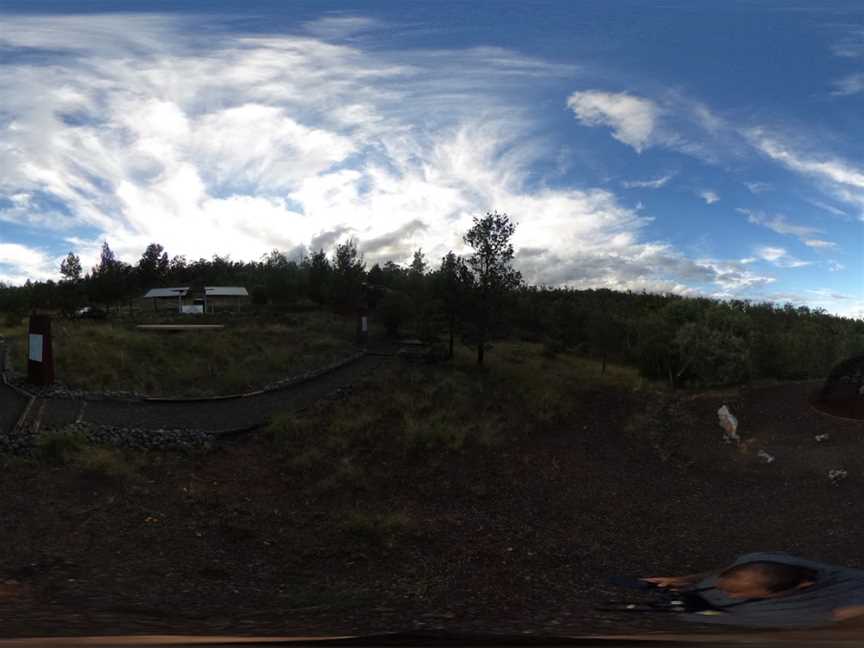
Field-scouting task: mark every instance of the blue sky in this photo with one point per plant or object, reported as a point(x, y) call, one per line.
point(699, 148)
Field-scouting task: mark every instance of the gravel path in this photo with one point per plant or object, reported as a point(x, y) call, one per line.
point(12, 404)
point(217, 416)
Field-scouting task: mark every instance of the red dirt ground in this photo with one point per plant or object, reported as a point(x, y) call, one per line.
point(516, 539)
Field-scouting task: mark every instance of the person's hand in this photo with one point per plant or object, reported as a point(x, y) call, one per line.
point(669, 582)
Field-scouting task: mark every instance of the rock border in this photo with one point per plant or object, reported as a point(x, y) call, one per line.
point(4, 350)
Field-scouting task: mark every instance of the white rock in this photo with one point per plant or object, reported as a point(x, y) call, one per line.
point(765, 457)
point(837, 475)
point(729, 424)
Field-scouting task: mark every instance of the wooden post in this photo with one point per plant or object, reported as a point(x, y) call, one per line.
point(40, 359)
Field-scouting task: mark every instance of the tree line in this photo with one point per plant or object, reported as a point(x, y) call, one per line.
point(480, 297)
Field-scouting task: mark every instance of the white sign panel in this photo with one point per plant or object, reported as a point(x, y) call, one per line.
point(364, 324)
point(35, 348)
point(193, 309)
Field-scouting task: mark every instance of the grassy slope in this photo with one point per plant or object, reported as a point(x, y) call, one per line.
point(361, 502)
point(444, 496)
point(245, 355)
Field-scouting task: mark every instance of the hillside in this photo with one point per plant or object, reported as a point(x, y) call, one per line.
point(425, 497)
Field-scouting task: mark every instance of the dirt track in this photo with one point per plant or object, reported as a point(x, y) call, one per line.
point(214, 415)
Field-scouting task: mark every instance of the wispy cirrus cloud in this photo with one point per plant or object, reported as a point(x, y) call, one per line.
point(662, 181)
point(831, 209)
point(851, 45)
point(668, 120)
point(757, 187)
point(148, 128)
point(781, 225)
point(842, 179)
point(849, 85)
point(336, 27)
point(779, 257)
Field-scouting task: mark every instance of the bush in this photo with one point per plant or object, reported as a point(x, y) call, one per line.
point(103, 463)
point(433, 431)
point(60, 446)
point(12, 319)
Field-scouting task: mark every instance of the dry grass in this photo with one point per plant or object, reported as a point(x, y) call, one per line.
point(377, 528)
point(106, 464)
point(413, 415)
point(245, 355)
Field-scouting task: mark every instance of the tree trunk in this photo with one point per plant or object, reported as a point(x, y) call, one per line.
point(452, 326)
point(484, 319)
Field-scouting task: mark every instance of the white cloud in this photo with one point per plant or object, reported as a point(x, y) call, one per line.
point(851, 46)
point(831, 300)
point(334, 27)
point(757, 187)
point(632, 119)
point(849, 85)
point(662, 181)
point(20, 262)
point(710, 197)
point(828, 208)
point(833, 170)
point(819, 244)
point(842, 179)
point(223, 145)
point(781, 225)
point(835, 266)
point(779, 257)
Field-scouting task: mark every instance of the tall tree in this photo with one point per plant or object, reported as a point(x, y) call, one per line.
point(417, 284)
point(70, 268)
point(490, 271)
point(70, 285)
point(319, 273)
point(450, 282)
point(152, 267)
point(349, 271)
point(108, 279)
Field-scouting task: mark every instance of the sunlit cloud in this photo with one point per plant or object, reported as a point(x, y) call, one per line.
point(20, 262)
point(238, 145)
point(632, 119)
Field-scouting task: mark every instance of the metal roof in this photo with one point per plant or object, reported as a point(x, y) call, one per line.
point(225, 291)
point(166, 292)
